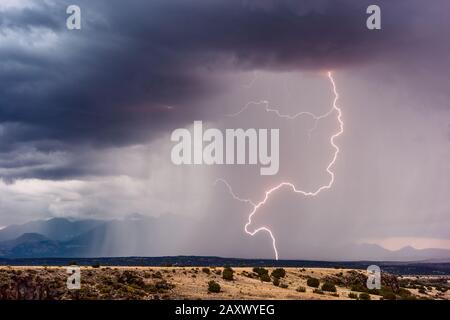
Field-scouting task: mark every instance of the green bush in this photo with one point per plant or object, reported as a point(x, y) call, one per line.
point(374, 291)
point(301, 289)
point(163, 285)
point(206, 270)
point(213, 287)
point(278, 273)
point(387, 293)
point(276, 282)
point(352, 295)
point(313, 282)
point(328, 286)
point(364, 296)
point(318, 291)
point(260, 271)
point(96, 265)
point(227, 274)
point(359, 287)
point(130, 278)
point(404, 293)
point(265, 277)
point(284, 285)
point(389, 296)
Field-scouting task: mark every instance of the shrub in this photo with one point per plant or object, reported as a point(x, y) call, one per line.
point(164, 285)
point(352, 295)
point(278, 273)
point(206, 270)
point(213, 287)
point(96, 265)
point(284, 285)
point(404, 293)
point(265, 277)
point(318, 291)
point(276, 282)
point(387, 293)
point(130, 278)
point(422, 290)
point(389, 296)
point(374, 291)
point(313, 282)
point(301, 289)
point(359, 287)
point(227, 273)
point(260, 271)
point(328, 286)
point(364, 296)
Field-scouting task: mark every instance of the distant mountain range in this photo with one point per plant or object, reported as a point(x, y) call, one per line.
point(139, 235)
point(59, 237)
point(59, 229)
point(375, 252)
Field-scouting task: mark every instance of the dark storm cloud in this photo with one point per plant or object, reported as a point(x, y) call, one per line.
point(137, 67)
point(27, 18)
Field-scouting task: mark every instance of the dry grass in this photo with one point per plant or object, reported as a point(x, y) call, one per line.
point(189, 283)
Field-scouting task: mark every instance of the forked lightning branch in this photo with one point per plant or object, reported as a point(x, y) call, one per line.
point(258, 153)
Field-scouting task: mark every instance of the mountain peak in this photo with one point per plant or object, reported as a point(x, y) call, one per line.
point(408, 248)
point(31, 236)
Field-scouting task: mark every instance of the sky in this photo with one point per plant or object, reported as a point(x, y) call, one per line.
point(86, 117)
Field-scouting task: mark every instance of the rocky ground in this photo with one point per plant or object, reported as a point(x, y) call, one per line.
point(213, 283)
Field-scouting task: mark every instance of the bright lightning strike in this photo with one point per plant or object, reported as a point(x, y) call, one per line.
point(269, 192)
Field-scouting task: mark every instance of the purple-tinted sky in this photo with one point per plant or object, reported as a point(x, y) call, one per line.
point(86, 117)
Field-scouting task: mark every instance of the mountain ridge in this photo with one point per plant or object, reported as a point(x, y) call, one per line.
point(106, 238)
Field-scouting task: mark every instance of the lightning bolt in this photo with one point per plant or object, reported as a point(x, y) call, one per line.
point(269, 192)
